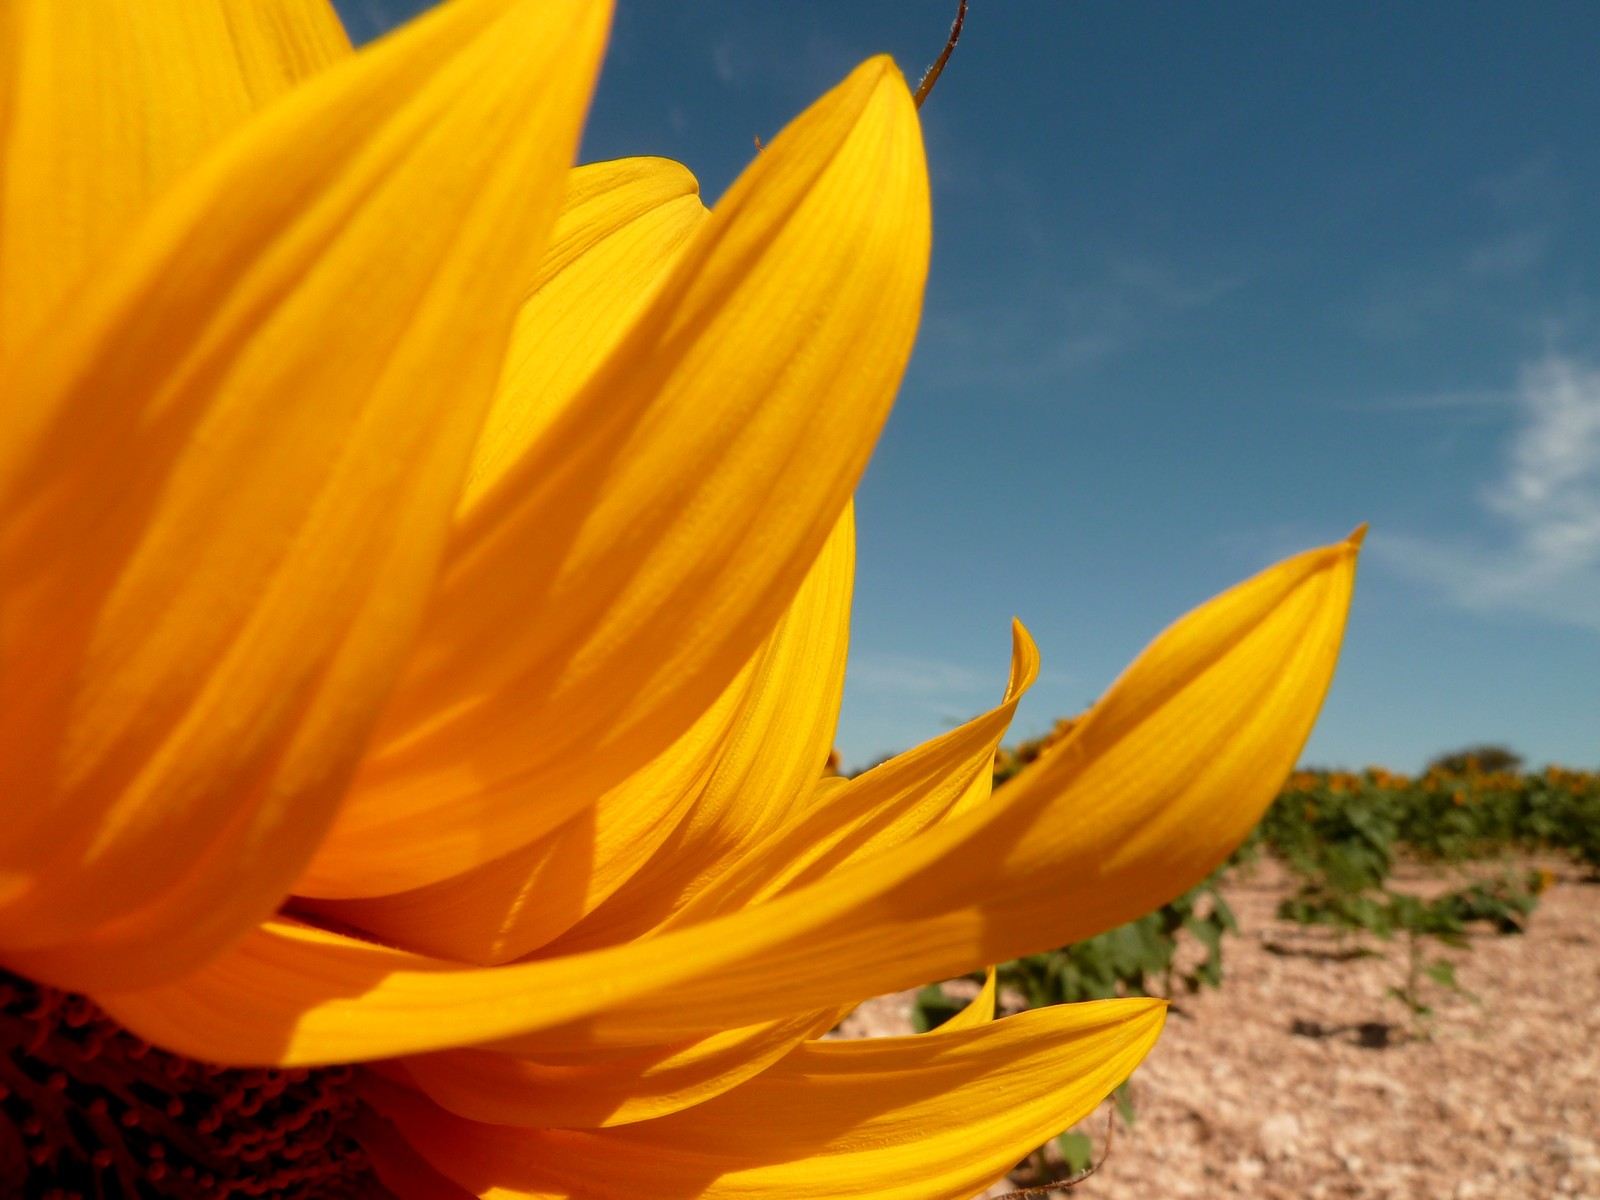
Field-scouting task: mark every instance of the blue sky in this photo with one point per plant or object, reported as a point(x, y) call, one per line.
point(1211, 284)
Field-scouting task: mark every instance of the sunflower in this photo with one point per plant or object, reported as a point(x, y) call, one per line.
point(426, 573)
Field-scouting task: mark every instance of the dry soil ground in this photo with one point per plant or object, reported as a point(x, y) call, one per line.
point(1300, 1079)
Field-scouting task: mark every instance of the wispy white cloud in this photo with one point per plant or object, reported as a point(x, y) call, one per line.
point(1480, 400)
point(779, 47)
point(730, 60)
point(922, 679)
point(1532, 185)
point(1168, 289)
point(1471, 281)
point(1492, 274)
point(1509, 255)
point(1056, 332)
point(1546, 501)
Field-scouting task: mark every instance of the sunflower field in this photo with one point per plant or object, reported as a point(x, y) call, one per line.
point(1456, 811)
point(1341, 834)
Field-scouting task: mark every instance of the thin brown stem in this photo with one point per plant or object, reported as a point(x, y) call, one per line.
point(932, 76)
point(1062, 1185)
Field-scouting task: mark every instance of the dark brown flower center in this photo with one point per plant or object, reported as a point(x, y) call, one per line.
point(91, 1112)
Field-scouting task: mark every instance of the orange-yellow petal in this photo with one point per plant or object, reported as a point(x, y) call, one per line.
point(227, 476)
point(981, 1010)
point(1152, 790)
point(644, 546)
point(635, 852)
point(104, 104)
point(623, 227)
point(766, 768)
point(935, 1117)
point(396, 1163)
point(507, 1089)
point(875, 811)
point(520, 901)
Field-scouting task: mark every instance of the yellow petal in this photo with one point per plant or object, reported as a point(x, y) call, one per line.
point(226, 481)
point(636, 852)
point(767, 766)
point(624, 226)
point(505, 1089)
point(515, 904)
point(875, 811)
point(635, 557)
point(980, 1011)
point(1164, 777)
point(105, 103)
point(935, 1117)
point(502, 1087)
point(1152, 790)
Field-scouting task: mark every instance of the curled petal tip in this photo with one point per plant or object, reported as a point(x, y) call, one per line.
point(1357, 536)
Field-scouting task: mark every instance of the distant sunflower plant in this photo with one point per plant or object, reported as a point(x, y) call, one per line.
point(424, 579)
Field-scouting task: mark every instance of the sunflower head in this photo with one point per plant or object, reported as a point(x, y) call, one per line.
point(425, 571)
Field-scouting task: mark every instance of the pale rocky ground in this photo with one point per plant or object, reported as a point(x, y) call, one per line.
point(1501, 1102)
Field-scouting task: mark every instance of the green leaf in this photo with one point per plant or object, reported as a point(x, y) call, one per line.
point(1077, 1151)
point(1124, 1103)
point(1442, 972)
